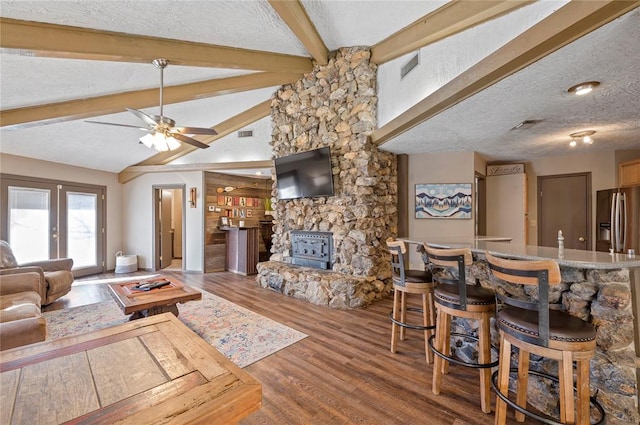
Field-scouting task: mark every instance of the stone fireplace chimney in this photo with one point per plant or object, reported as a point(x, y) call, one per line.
point(335, 105)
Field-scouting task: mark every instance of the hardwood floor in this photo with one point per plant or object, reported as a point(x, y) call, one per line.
point(343, 372)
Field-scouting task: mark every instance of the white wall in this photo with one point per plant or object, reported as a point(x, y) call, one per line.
point(138, 225)
point(18, 165)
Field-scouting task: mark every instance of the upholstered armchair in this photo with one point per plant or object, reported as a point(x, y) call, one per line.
point(55, 275)
point(21, 320)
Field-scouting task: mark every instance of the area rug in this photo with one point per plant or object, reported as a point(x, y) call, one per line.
point(243, 336)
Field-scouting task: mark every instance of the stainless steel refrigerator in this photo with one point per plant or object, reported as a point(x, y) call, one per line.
point(618, 219)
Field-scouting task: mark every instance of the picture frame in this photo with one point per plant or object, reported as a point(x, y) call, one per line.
point(444, 200)
point(224, 221)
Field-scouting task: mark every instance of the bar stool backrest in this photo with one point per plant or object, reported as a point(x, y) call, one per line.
point(451, 259)
point(397, 249)
point(528, 272)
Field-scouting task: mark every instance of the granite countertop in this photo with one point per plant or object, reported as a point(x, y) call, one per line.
point(566, 257)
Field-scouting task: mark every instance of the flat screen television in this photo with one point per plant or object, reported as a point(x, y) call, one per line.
point(305, 174)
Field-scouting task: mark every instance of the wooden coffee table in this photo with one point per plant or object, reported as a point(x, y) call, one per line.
point(150, 371)
point(156, 301)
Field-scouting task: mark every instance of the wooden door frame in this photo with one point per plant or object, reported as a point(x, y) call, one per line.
point(480, 222)
point(591, 245)
point(155, 241)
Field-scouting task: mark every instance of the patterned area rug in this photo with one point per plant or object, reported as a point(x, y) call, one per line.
point(240, 334)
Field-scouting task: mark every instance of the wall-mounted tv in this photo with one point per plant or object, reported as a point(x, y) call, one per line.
point(305, 174)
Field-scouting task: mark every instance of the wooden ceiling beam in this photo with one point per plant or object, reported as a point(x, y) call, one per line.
point(294, 15)
point(450, 19)
point(110, 104)
point(225, 128)
point(61, 41)
point(567, 24)
point(208, 166)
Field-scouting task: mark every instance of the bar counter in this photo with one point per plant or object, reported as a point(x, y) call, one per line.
point(599, 287)
point(566, 257)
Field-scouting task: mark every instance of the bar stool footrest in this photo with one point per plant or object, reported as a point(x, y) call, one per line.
point(409, 325)
point(459, 362)
point(544, 419)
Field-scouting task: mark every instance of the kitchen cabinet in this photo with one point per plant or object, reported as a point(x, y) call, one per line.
point(629, 173)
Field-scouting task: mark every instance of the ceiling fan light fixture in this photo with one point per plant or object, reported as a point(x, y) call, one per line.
point(148, 140)
point(160, 142)
point(583, 88)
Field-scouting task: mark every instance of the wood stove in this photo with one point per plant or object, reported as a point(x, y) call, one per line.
point(312, 249)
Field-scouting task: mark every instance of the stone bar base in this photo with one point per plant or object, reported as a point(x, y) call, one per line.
point(320, 287)
point(602, 297)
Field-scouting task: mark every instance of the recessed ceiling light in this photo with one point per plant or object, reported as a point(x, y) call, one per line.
point(583, 88)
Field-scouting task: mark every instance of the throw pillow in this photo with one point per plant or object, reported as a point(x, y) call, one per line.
point(7, 260)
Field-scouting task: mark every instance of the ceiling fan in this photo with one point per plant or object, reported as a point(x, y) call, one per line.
point(163, 134)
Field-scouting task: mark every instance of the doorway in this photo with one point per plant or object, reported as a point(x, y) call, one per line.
point(564, 203)
point(46, 219)
point(169, 227)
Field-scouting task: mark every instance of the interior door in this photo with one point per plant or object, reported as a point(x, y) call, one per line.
point(564, 203)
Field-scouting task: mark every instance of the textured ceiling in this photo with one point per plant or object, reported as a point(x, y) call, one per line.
point(481, 123)
point(484, 122)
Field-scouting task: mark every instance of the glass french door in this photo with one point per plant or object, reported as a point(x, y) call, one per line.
point(43, 219)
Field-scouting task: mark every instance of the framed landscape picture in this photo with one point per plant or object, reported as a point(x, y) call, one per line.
point(444, 200)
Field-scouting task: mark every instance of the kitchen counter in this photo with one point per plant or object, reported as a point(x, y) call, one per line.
point(566, 257)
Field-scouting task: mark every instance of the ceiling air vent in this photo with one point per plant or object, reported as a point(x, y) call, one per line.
point(526, 124)
point(409, 66)
point(245, 133)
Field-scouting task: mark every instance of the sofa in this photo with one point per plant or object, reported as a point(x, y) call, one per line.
point(55, 275)
point(21, 320)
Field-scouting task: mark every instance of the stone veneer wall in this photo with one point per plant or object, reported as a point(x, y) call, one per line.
point(335, 105)
point(602, 297)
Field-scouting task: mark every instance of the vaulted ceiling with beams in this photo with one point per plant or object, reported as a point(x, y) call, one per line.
point(482, 68)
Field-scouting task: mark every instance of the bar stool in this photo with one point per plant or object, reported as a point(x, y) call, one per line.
point(454, 298)
point(535, 329)
point(409, 282)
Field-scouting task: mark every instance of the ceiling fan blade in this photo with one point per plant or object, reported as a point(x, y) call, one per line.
point(195, 130)
point(144, 117)
point(189, 140)
point(119, 125)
